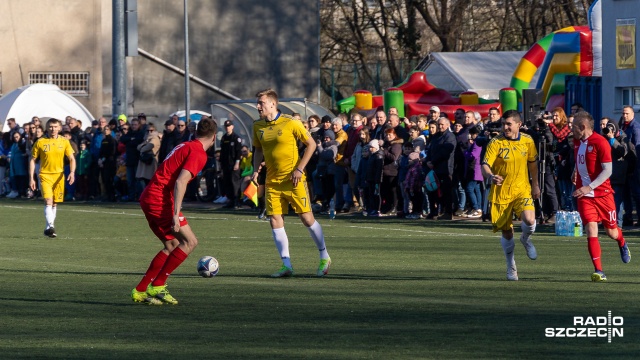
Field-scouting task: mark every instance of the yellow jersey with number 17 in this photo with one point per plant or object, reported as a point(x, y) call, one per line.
point(509, 159)
point(279, 142)
point(51, 153)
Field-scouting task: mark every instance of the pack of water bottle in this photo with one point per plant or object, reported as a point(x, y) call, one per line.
point(568, 223)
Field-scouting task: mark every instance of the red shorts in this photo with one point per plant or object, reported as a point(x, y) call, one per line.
point(599, 209)
point(160, 219)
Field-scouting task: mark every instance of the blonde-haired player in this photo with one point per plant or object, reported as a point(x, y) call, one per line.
point(275, 136)
point(51, 151)
point(511, 158)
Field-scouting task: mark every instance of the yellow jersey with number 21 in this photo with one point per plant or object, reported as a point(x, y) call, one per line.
point(51, 153)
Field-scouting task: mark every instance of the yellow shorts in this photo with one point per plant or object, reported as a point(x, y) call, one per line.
point(279, 196)
point(52, 186)
point(502, 214)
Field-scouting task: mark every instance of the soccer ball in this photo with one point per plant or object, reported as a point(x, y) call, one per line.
point(208, 266)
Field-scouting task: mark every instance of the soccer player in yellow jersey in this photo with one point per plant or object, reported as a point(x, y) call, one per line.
point(510, 160)
point(51, 151)
point(275, 137)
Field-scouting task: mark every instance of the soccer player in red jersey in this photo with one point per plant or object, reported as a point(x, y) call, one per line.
point(161, 201)
point(593, 190)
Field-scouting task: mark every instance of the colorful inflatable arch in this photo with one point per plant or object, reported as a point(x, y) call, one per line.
point(574, 50)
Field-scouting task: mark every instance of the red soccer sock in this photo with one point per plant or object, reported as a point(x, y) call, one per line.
point(175, 259)
point(620, 238)
point(594, 251)
point(154, 268)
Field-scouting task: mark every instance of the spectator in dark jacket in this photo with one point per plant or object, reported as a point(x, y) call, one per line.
point(131, 139)
point(230, 154)
point(169, 140)
point(107, 163)
point(390, 191)
point(440, 160)
point(618, 141)
point(631, 128)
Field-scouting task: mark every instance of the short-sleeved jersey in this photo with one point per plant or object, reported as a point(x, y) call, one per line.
point(590, 154)
point(279, 142)
point(508, 158)
point(189, 156)
point(51, 153)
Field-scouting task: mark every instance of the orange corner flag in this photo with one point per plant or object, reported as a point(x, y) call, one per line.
point(251, 192)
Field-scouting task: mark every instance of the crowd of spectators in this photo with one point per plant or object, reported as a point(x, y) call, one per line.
point(115, 159)
point(374, 166)
point(377, 165)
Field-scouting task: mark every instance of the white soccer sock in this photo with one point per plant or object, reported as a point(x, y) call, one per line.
point(508, 246)
point(318, 237)
point(55, 213)
point(282, 244)
point(527, 230)
point(49, 216)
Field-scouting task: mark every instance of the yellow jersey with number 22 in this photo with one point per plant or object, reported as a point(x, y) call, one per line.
point(509, 158)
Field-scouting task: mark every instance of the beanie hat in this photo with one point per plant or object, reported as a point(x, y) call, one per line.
point(374, 145)
point(122, 117)
point(330, 134)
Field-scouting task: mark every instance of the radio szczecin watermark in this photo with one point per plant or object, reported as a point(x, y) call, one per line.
point(590, 327)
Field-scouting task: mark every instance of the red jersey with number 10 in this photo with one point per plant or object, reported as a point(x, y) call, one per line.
point(590, 154)
point(189, 156)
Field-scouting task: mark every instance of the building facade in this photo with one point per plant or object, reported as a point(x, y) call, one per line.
point(620, 72)
point(240, 46)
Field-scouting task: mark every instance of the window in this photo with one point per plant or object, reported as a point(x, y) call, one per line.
point(74, 83)
point(628, 96)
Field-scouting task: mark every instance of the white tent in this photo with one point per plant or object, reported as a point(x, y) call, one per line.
point(482, 72)
point(42, 100)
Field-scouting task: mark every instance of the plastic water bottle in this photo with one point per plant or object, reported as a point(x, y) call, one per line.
point(560, 216)
point(332, 210)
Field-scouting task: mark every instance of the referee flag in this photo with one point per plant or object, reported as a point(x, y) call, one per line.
point(251, 192)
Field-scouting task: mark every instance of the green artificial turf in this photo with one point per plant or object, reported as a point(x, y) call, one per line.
point(398, 289)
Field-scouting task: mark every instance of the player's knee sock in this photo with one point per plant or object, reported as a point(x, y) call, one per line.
point(48, 215)
point(318, 237)
point(174, 260)
point(508, 246)
point(152, 272)
point(620, 238)
point(282, 244)
point(594, 251)
point(527, 230)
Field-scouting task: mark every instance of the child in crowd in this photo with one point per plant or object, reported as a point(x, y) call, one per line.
point(473, 175)
point(327, 150)
point(413, 183)
point(120, 180)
